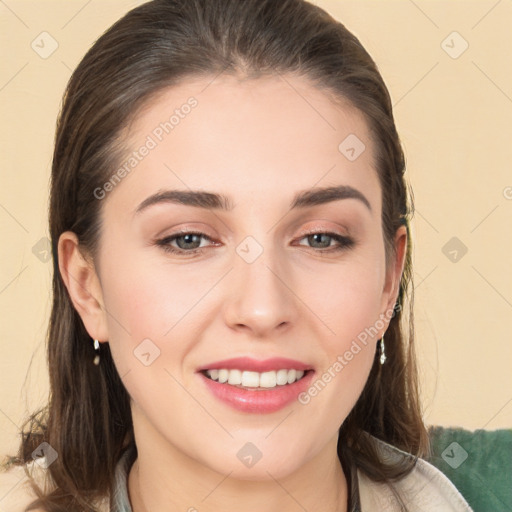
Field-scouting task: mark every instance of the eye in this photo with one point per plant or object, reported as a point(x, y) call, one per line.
point(323, 241)
point(189, 242)
point(186, 241)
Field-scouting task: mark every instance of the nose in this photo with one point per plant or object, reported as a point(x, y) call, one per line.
point(259, 297)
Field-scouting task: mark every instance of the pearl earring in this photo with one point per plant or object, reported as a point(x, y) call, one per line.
point(97, 350)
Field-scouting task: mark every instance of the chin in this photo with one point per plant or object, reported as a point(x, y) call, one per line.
point(258, 461)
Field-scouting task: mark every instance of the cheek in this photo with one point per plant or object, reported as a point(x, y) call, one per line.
point(149, 300)
point(156, 312)
point(348, 356)
point(348, 298)
point(349, 309)
point(142, 308)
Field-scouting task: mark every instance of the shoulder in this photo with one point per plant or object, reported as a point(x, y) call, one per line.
point(425, 488)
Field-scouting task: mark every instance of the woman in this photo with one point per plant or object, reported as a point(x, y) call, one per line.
point(230, 229)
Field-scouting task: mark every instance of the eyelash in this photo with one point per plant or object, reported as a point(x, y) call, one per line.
point(344, 241)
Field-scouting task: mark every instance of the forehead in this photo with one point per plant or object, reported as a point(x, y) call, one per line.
point(239, 136)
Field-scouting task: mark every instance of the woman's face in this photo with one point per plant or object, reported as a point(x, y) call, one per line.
point(260, 286)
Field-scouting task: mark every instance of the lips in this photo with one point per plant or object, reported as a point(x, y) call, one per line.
point(257, 399)
point(255, 365)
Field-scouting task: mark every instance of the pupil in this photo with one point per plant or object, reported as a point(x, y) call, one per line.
point(319, 235)
point(188, 240)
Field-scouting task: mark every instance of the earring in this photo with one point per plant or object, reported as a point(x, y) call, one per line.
point(382, 351)
point(97, 351)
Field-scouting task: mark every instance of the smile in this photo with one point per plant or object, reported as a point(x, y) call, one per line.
point(256, 386)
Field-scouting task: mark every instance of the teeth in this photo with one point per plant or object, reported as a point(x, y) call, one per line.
point(268, 380)
point(249, 379)
point(282, 377)
point(235, 377)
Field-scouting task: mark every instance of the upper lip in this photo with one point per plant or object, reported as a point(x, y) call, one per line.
point(256, 365)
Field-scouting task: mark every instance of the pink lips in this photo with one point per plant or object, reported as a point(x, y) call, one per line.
point(254, 365)
point(257, 400)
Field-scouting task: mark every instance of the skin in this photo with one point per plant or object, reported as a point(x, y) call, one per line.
point(259, 141)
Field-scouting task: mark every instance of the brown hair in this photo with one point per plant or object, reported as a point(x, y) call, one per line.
point(88, 418)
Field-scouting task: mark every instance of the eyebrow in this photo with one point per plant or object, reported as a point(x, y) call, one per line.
point(210, 200)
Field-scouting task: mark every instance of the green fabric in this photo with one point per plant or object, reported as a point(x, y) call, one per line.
point(479, 463)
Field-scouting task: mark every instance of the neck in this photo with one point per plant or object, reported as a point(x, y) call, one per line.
point(166, 479)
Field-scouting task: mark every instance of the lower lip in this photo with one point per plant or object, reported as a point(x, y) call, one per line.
point(258, 400)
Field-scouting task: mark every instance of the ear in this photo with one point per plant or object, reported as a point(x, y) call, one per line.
point(394, 272)
point(83, 285)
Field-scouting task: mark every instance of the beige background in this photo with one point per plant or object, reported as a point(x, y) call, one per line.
point(454, 113)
